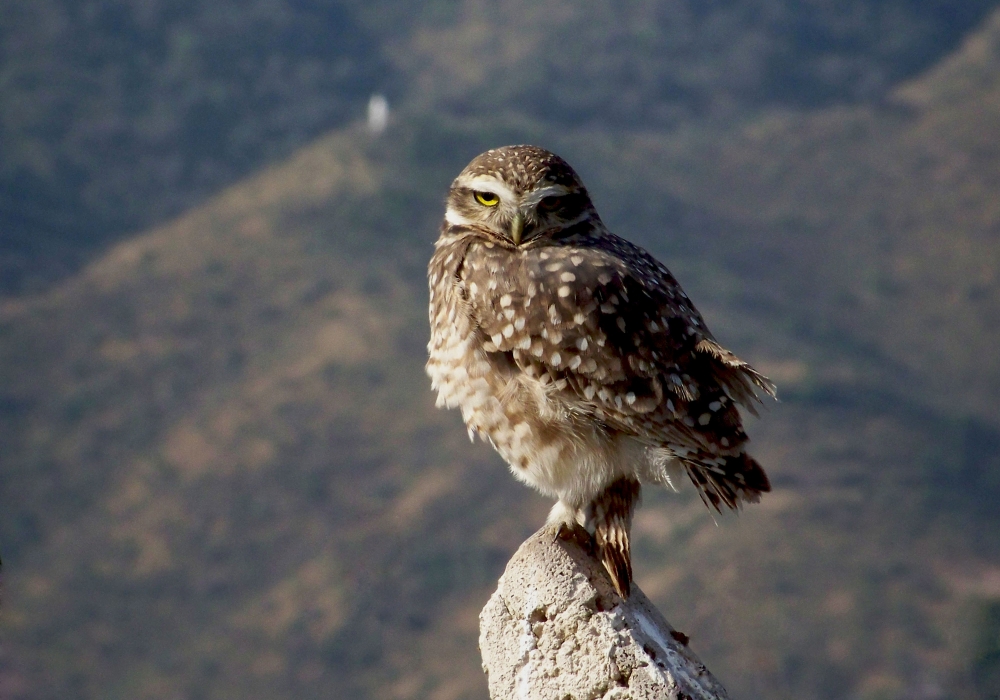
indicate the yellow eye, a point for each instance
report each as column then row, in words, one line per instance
column 487, row 199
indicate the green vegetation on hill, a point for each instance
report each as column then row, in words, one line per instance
column 222, row 472
column 117, row 114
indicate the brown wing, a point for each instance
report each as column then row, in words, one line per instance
column 613, row 333
column 612, row 326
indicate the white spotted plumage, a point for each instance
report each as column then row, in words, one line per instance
column 577, row 354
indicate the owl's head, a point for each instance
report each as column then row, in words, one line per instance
column 519, row 196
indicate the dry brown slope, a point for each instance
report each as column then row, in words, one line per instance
column 888, row 217
column 222, row 441
column 237, row 482
column 882, row 278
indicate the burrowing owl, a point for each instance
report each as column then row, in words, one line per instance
column 577, row 354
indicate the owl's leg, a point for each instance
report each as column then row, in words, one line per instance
column 563, row 513
column 609, row 518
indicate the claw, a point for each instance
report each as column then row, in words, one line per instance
column 563, row 532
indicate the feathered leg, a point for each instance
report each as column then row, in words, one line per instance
column 609, row 517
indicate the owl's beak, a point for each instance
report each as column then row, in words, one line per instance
column 517, row 228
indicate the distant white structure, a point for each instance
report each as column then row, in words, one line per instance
column 378, row 113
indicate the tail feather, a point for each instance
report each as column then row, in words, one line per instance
column 729, row 481
column 610, row 516
column 616, row 555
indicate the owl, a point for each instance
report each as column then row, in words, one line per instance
column 578, row 356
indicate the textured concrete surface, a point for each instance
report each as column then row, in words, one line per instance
column 555, row 628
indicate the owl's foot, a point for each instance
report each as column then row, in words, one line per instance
column 573, row 532
column 567, row 524
column 564, row 514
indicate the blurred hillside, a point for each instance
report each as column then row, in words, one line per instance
column 222, row 474
column 118, row 114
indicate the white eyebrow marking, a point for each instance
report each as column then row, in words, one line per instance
column 488, row 183
column 533, row 198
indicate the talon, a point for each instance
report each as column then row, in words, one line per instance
column 565, row 532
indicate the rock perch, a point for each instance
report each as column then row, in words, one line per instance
column 555, row 628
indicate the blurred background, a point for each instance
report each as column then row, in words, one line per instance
column 221, row 472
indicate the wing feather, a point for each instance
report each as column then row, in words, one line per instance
column 612, row 332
